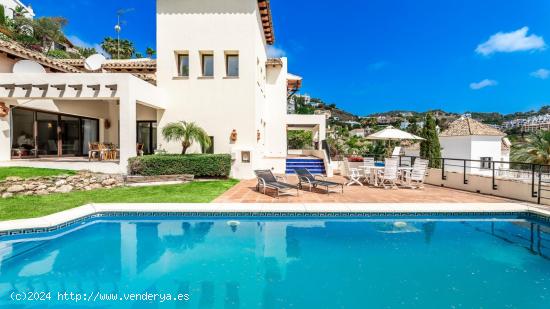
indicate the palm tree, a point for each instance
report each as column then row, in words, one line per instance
column 535, row 149
column 186, row 133
column 150, row 52
column 86, row 51
column 124, row 48
column 19, row 11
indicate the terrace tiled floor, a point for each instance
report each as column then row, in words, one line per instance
column 244, row 192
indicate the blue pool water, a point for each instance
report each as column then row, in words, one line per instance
column 439, row 262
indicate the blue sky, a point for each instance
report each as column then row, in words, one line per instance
column 378, row 55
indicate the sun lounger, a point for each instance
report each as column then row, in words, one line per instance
column 266, row 180
column 306, row 178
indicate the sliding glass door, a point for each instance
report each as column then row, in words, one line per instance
column 37, row 133
column 70, row 136
column 22, row 133
column 47, row 137
column 147, row 135
column 90, row 133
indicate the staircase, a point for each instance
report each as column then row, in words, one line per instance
column 313, row 165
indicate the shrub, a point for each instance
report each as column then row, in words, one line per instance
column 298, row 139
column 355, row 159
column 200, row 165
column 58, row 54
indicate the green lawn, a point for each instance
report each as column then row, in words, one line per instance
column 36, row 206
column 28, row 172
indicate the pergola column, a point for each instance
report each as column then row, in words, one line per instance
column 5, row 143
column 127, row 132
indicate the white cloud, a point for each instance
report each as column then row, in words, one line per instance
column 80, row 43
column 541, row 73
column 482, row 84
column 275, row 52
column 508, row 42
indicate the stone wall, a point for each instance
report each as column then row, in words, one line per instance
column 13, row 186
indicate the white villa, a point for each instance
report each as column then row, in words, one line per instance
column 470, row 139
column 212, row 68
column 10, row 5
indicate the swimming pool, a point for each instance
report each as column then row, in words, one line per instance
column 284, row 262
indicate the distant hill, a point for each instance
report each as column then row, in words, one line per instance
column 343, row 115
column 444, row 117
column 489, row 118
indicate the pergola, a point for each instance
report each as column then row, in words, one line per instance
column 126, row 89
column 313, row 123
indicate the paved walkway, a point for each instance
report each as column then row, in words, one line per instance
column 244, row 192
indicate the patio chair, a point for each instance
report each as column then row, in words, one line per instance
column 267, row 180
column 415, row 179
column 104, row 152
column 396, row 151
column 368, row 164
column 368, row 161
column 406, row 161
column 306, row 178
column 353, row 174
column 389, row 176
column 139, row 149
column 93, row 151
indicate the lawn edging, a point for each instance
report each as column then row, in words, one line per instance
column 20, row 207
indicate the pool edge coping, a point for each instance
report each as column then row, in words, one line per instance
column 69, row 216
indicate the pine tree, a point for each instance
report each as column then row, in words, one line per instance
column 430, row 148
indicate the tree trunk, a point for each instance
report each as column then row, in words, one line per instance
column 184, row 147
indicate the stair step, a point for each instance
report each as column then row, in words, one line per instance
column 304, row 160
column 305, row 163
column 309, row 169
column 314, row 166
column 314, row 172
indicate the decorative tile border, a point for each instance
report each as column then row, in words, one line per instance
column 531, row 214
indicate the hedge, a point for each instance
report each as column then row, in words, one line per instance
column 199, row 165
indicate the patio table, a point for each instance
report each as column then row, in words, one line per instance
column 373, row 171
column 402, row 170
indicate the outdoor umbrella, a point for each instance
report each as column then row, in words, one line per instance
column 392, row 134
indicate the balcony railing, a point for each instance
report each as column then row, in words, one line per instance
column 536, row 176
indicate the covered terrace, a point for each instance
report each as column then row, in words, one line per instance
column 55, row 116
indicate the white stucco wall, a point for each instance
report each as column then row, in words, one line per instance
column 12, row 4
column 219, row 104
column 472, row 148
column 254, row 102
column 6, row 64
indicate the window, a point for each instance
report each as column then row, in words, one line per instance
column 486, row 162
column 183, row 65
column 245, row 156
column 207, row 65
column 232, row 65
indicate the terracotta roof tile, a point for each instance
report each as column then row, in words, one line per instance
column 267, row 21
column 144, row 63
column 274, row 61
column 20, row 51
column 468, row 126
